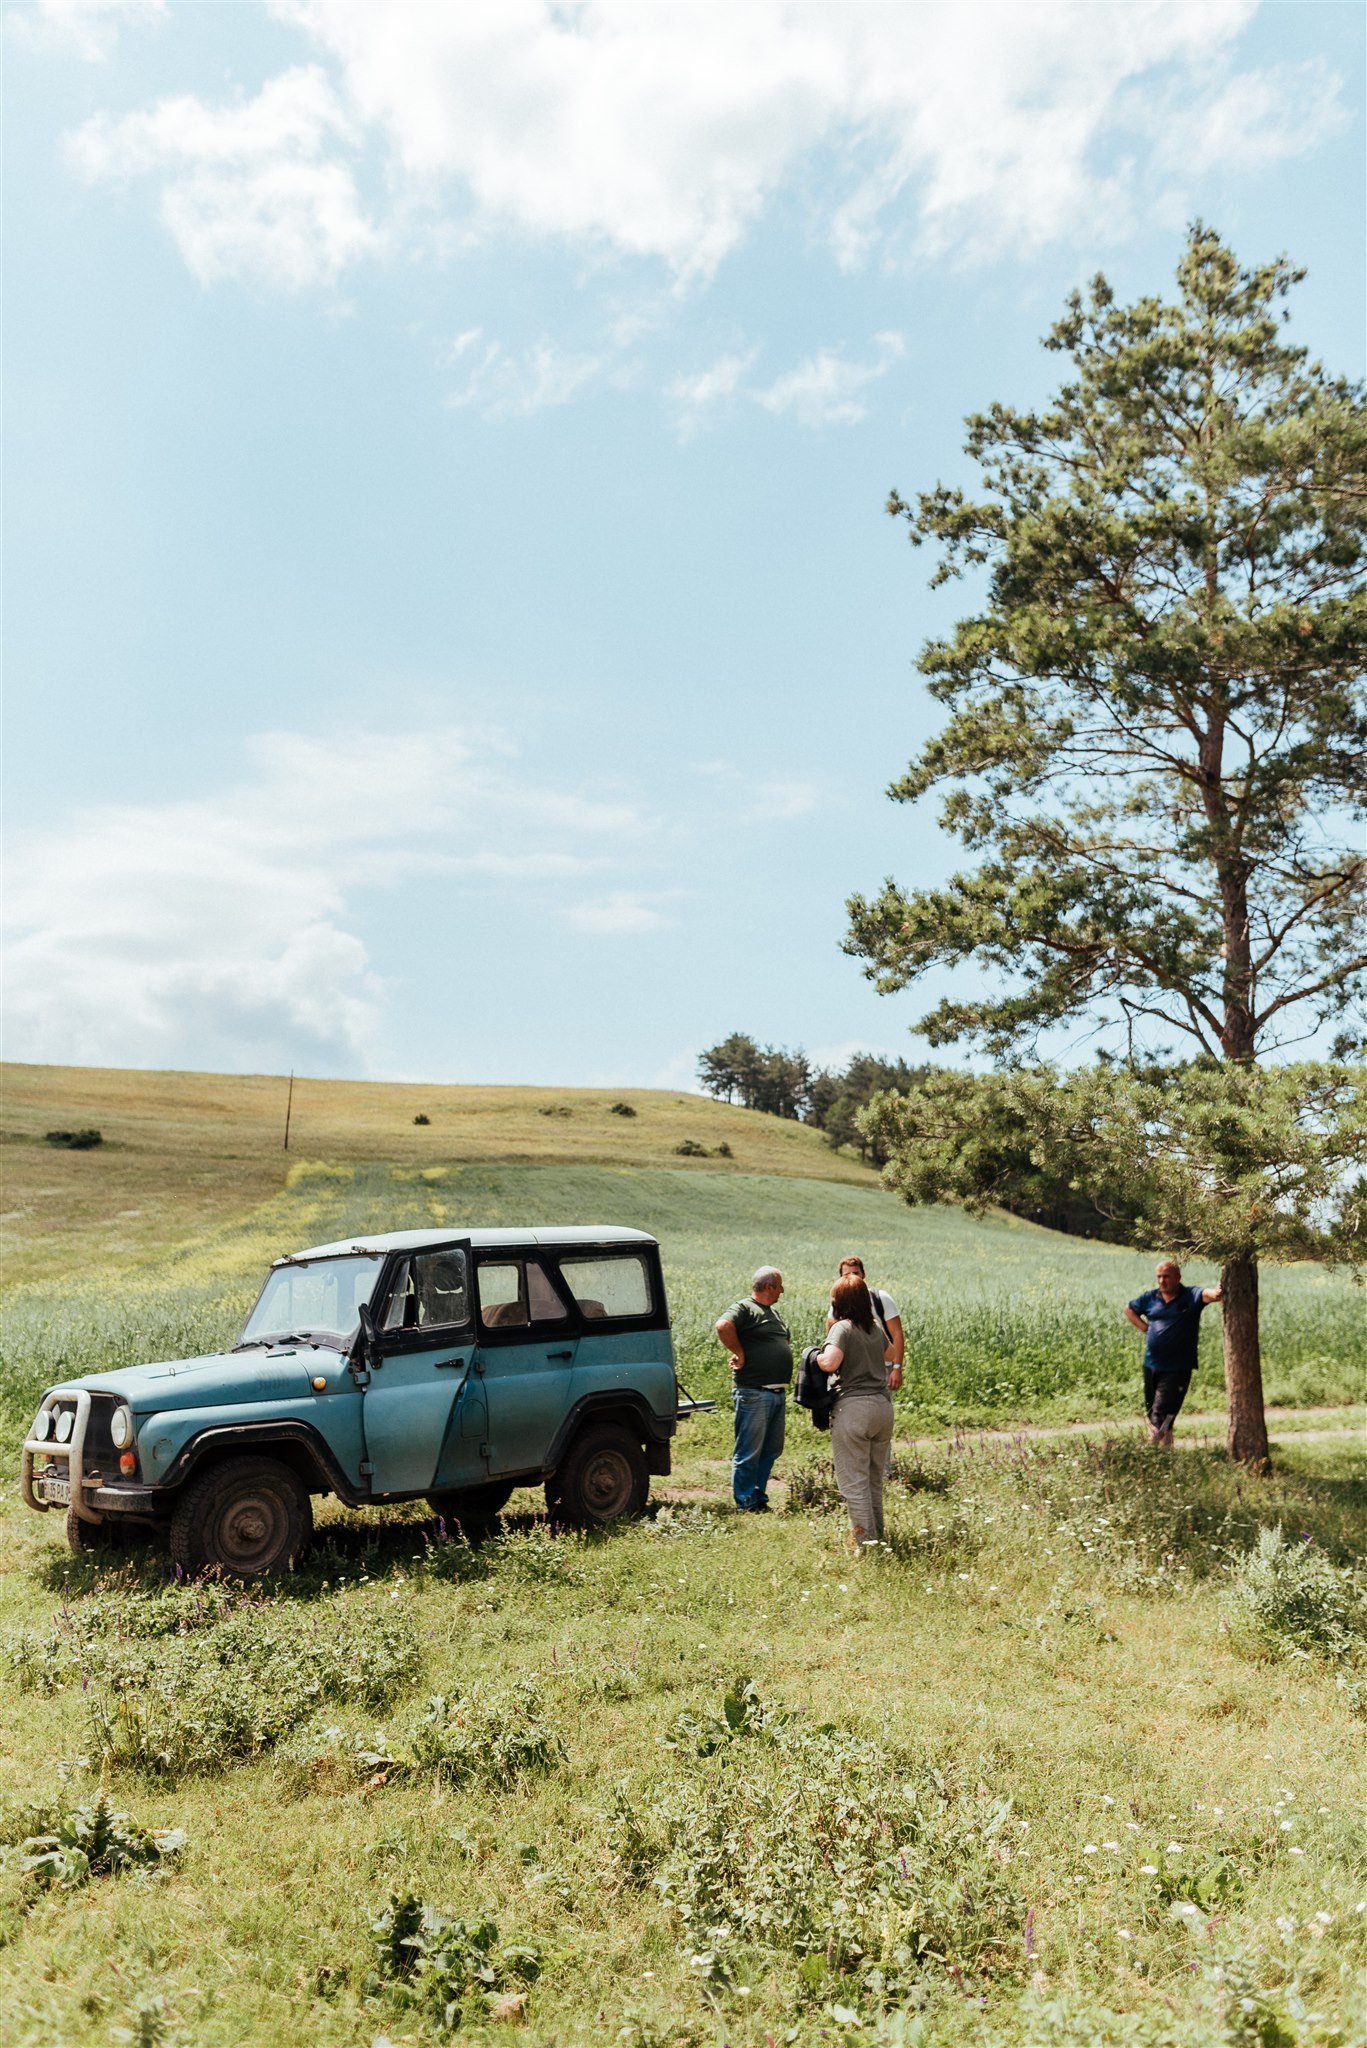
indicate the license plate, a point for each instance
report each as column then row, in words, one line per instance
column 55, row 1490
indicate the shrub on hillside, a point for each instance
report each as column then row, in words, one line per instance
column 420, row 1118
column 1288, row 1598
column 74, row 1141
column 621, row 1109
column 689, row 1148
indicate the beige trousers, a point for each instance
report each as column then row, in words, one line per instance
column 861, row 1430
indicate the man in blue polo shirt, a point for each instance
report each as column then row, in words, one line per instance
column 1170, row 1317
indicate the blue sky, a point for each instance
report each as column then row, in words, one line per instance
column 451, row 626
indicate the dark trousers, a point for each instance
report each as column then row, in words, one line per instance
column 1164, row 1393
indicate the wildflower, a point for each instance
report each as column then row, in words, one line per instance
column 1149, row 1869
column 1089, row 1849
column 1124, row 1934
column 1294, row 1851
column 1110, row 1845
column 1106, row 1799
column 1174, row 1849
column 1325, row 1919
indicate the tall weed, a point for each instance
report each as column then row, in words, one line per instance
column 1287, row 1599
column 229, row 1694
column 822, row 1849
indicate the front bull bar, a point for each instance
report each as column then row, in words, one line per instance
column 73, row 1450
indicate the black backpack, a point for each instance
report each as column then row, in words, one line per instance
column 816, row 1391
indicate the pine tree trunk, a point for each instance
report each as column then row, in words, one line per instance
column 1247, row 1436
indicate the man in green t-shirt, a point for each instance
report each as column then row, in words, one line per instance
column 761, row 1352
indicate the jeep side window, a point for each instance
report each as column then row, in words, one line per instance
column 502, row 1302
column 608, row 1287
column 431, row 1291
column 514, row 1293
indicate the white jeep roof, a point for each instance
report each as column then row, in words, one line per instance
column 376, row 1244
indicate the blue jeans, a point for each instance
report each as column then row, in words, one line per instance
column 760, row 1416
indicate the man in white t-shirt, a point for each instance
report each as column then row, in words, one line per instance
column 887, row 1312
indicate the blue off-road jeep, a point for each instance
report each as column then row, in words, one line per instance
column 417, row 1365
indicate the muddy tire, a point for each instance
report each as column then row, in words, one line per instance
column 475, row 1508
column 248, row 1517
column 602, row 1478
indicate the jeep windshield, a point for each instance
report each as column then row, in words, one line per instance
column 311, row 1301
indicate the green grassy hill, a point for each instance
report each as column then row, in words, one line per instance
column 1005, row 1322
column 1070, row 1762
column 186, row 1152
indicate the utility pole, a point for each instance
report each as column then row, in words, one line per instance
column 289, row 1104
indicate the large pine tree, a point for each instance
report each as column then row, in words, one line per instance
column 1156, row 747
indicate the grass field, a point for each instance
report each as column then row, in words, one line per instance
column 187, row 1152
column 1076, row 1760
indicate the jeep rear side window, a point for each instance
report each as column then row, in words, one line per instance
column 513, row 1294
column 431, row 1291
column 605, row 1288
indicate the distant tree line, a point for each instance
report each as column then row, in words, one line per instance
column 1016, row 1171
column 783, row 1083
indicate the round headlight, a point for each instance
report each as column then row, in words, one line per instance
column 42, row 1424
column 121, row 1429
column 66, row 1422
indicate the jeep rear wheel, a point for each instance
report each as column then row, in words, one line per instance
column 602, row 1477
column 474, row 1507
column 247, row 1517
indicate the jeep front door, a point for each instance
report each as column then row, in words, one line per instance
column 422, row 1379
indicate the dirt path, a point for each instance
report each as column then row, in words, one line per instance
column 1197, row 1431
column 1199, row 1427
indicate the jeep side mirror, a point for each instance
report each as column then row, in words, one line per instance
column 367, row 1352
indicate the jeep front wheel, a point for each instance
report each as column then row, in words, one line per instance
column 247, row 1517
column 602, row 1477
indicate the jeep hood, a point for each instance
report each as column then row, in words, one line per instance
column 219, row 1377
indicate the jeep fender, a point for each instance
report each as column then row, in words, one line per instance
column 633, row 1411
column 296, row 1444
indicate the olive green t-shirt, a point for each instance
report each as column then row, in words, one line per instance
column 766, row 1345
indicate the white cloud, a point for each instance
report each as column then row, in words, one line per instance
column 663, row 132
column 625, row 913
column 217, row 927
column 696, row 396
column 778, row 800
column 1248, row 122
column 506, row 385
column 825, row 390
column 253, row 190
column 89, row 27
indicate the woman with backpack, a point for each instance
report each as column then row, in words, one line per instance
column 859, row 1349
